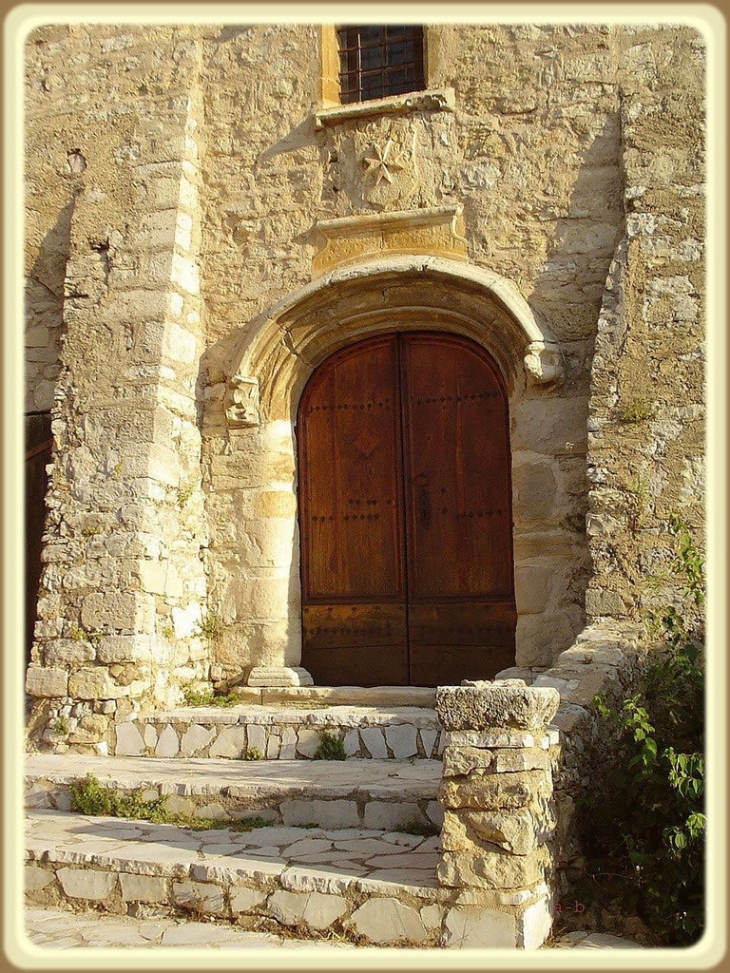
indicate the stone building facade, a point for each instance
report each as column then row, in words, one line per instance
column 206, row 225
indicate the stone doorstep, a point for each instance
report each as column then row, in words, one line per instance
column 282, row 732
column 312, row 881
column 383, row 794
column 339, row 695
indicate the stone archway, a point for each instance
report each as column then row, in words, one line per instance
column 277, row 355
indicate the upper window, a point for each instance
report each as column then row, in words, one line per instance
column 379, row 61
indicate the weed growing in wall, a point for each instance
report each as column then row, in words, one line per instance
column 643, row 825
column 330, row 748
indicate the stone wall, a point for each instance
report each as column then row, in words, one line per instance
column 175, row 177
column 123, row 587
column 646, row 426
column 497, row 791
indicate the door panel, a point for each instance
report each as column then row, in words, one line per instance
column 405, row 514
column 350, row 515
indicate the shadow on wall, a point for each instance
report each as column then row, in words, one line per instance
column 44, row 297
column 568, row 294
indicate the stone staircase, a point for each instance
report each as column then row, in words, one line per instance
column 338, row 857
column 344, row 850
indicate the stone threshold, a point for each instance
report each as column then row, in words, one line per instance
column 338, row 695
column 372, row 886
column 382, row 794
column 283, row 731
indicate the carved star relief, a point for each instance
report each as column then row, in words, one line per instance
column 378, row 161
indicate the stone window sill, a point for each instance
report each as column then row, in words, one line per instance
column 441, row 99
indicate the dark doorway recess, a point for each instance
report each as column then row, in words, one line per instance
column 405, row 514
column 38, row 444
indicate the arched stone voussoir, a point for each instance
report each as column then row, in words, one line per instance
column 282, row 346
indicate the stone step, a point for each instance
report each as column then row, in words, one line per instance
column 419, row 696
column 334, row 794
column 371, row 886
column 283, row 731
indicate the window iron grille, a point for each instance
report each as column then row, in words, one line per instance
column 377, row 61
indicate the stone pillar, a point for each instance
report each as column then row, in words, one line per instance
column 496, row 793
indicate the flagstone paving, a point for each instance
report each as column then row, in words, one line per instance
column 60, row 929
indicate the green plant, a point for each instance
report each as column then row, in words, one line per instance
column 79, row 634
column 643, row 823
column 91, row 797
column 91, row 530
column 330, row 747
column 637, row 494
column 414, row 826
column 638, row 409
column 60, row 726
column 184, row 494
column 168, row 631
column 206, row 696
column 252, row 753
column 208, row 627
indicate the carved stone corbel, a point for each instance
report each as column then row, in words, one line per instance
column 242, row 402
column 543, row 363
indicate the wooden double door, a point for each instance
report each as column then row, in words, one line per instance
column 405, row 514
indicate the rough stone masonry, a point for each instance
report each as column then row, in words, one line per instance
column 200, row 234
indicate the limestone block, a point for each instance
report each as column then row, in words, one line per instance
column 168, row 744
column 142, row 888
column 496, row 738
column 462, row 760
column 351, row 743
column 490, row 870
column 120, row 649
column 387, row 921
column 245, row 899
column 516, row 831
column 231, row 742
column 486, row 705
column 195, row 739
column 317, row 909
column 256, row 737
column 535, row 924
column 273, row 745
column 149, row 735
column 37, row 878
column 428, row 739
column 288, row 748
column 211, row 812
column 129, row 741
column 325, row 814
column 372, row 737
column 113, row 609
column 186, row 620
column 495, row 790
column 431, row 916
column 307, row 743
column 278, row 503
column 535, row 502
column 473, row 927
column 93, row 683
column 279, row 675
column 203, row 896
column 84, row 883
column 402, row 740
column 532, row 587
column 387, row 816
column 61, row 651
column 435, row 813
column 47, row 683
column 179, row 805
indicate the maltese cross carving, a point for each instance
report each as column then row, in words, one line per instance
column 383, row 162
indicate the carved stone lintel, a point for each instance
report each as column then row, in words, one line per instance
column 242, row 402
column 543, row 363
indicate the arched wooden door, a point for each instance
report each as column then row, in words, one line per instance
column 405, row 514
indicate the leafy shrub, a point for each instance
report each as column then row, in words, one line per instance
column 252, row 753
column 206, row 696
column 330, row 748
column 643, row 824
